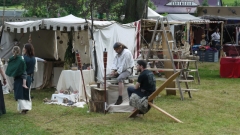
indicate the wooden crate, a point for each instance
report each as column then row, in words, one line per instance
column 97, row 106
column 97, row 102
column 208, row 56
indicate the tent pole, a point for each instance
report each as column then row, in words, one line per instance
column 94, row 48
column 105, row 76
column 221, row 50
column 3, row 14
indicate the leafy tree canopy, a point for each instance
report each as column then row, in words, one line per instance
column 112, row 9
column 205, row 3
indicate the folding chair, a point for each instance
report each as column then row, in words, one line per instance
column 155, row 94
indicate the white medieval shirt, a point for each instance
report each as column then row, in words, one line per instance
column 215, row 36
column 123, row 61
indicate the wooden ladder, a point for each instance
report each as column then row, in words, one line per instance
column 167, row 38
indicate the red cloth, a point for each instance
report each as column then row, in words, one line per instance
column 230, row 67
column 231, row 50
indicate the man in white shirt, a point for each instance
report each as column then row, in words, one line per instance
column 216, row 35
column 122, row 67
column 216, row 39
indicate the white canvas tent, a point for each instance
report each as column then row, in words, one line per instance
column 105, row 35
column 152, row 14
column 47, row 45
column 69, row 22
column 185, row 19
column 80, row 36
column 45, row 41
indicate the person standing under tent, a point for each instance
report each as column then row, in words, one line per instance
column 2, row 103
column 123, row 64
column 216, row 39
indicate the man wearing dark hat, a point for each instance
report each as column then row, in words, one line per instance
column 122, row 67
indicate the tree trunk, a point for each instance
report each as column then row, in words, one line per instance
column 134, row 10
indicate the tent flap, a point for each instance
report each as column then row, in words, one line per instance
column 69, row 22
column 22, row 25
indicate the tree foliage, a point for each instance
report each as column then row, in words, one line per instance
column 205, row 3
column 51, row 8
column 236, row 3
column 7, row 3
column 112, row 9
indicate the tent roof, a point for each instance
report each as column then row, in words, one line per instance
column 66, row 21
column 23, row 25
column 187, row 18
column 182, row 17
column 152, row 14
column 101, row 23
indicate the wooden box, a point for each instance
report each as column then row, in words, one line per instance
column 208, row 56
column 97, row 102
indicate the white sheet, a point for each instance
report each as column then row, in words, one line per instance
column 59, row 97
column 73, row 79
column 105, row 38
column 112, row 96
column 56, row 74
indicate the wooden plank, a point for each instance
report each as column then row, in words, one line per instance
column 164, row 112
column 181, row 89
column 176, row 60
column 160, row 69
column 161, row 88
column 133, row 114
column 164, row 50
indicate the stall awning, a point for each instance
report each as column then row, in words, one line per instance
column 23, row 25
column 69, row 22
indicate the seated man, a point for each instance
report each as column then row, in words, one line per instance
column 146, row 83
column 122, row 67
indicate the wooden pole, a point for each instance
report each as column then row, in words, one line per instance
column 3, row 14
column 164, row 112
column 105, row 75
column 221, row 50
column 80, row 67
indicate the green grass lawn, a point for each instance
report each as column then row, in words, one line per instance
column 230, row 2
column 213, row 110
column 15, row 7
